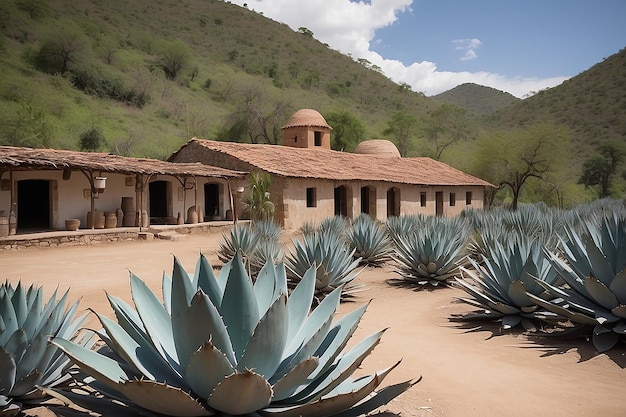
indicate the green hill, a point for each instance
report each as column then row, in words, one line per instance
column 591, row 104
column 477, row 100
column 230, row 58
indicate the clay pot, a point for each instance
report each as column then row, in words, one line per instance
column 72, row 224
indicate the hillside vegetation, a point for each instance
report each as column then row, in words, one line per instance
column 141, row 78
column 477, row 100
column 152, row 74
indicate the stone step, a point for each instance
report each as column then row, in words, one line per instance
column 171, row 235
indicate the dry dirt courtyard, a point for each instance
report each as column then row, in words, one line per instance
column 466, row 371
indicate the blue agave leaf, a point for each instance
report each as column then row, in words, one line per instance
column 206, row 279
column 300, row 301
column 7, row 371
column 600, row 293
column 316, row 320
column 337, row 339
column 7, row 312
column 618, row 286
column 155, row 320
column 207, row 367
column 200, row 322
column 105, row 369
column 166, row 290
column 162, row 398
column 252, row 393
column 344, row 367
column 19, row 304
column 239, row 307
column 143, row 357
column 297, row 376
column 265, row 348
column 264, row 287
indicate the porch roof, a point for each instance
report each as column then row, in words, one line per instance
column 55, row 159
column 334, row 165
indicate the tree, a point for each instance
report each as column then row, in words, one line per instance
column 256, row 118
column 445, row 126
column 599, row 169
column 61, row 50
column 306, row 32
column 174, row 56
column 402, row 128
column 92, row 139
column 509, row 158
column 257, row 202
column 347, row 131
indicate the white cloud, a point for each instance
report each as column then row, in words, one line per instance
column 469, row 46
column 350, row 27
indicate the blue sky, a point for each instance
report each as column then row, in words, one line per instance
column 517, row 46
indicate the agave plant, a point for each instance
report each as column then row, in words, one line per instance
column 27, row 360
column 257, row 242
column 337, row 225
column 333, row 261
column 594, row 269
column 241, row 238
column 229, row 346
column 500, row 283
column 433, row 252
column 370, row 241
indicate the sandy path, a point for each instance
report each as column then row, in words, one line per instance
column 465, row 373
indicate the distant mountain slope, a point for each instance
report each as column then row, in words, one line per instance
column 476, row 99
column 592, row 104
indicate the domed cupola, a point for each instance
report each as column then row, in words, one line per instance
column 378, row 147
column 307, row 128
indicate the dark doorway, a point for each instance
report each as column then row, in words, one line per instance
column 368, row 201
column 439, row 203
column 393, row 202
column 341, row 201
column 212, row 200
column 365, row 200
column 158, row 201
column 33, row 205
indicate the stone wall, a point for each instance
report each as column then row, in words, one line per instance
column 54, row 239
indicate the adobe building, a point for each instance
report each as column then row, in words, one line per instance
column 42, row 188
column 311, row 182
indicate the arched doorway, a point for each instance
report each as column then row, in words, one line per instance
column 368, row 201
column 341, row 201
column 33, row 205
column 393, row 202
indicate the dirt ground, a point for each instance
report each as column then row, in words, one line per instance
column 467, row 371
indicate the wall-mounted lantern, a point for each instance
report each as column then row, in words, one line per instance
column 240, row 190
column 99, row 184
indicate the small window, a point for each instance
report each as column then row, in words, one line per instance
column 295, row 139
column 318, row 138
column 311, row 197
column 452, row 199
column 468, row 198
column 422, row 199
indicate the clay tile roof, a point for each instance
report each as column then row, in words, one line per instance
column 307, row 117
column 29, row 158
column 328, row 164
column 378, row 147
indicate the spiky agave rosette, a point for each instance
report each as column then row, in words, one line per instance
column 27, row 360
column 230, row 346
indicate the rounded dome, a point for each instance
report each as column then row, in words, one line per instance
column 378, row 147
column 307, row 117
